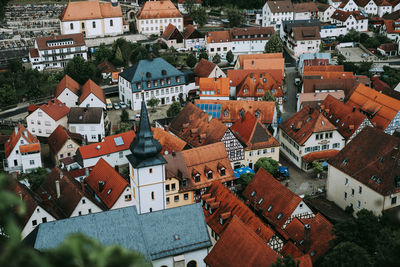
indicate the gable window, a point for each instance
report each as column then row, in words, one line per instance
column 210, row 175
column 71, row 26
column 359, row 189
column 94, row 24
column 34, row 223
column 128, row 197
column 111, row 23
column 151, row 170
column 167, row 200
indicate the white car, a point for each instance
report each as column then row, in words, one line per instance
column 116, row 106
column 122, row 104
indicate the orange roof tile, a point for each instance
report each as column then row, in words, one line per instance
column 29, row 148
column 241, row 58
column 85, row 10
column 218, row 37
column 218, row 85
column 237, row 76
column 390, row 27
column 304, row 123
column 168, row 141
column 305, row 261
column 290, row 249
column 67, row 82
column 381, row 107
column 54, row 108
column 333, row 68
column 252, row 133
column 91, row 87
column 43, row 42
column 262, row 64
column 320, row 155
column 240, row 246
column 106, row 183
column 257, row 85
column 15, row 137
column 282, row 200
column 228, row 202
column 59, row 136
column 204, row 68
column 158, row 9
column 328, row 74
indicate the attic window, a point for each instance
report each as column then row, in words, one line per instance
column 342, row 124
column 260, row 201
column 226, row 113
column 253, row 194
column 257, row 114
column 210, row 175
column 378, row 180
column 308, row 119
column 197, row 178
column 148, row 74
column 163, row 72
column 279, row 216
column 373, row 177
column 382, row 159
column 269, row 208
column 337, row 120
column 322, row 123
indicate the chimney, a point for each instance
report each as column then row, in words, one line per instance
column 101, row 185
column 58, row 188
column 307, row 229
column 354, row 108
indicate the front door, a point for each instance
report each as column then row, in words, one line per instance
column 163, row 101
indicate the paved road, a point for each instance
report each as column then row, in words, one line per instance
column 289, row 107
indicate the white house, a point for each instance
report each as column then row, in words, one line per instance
column 218, row 42
column 44, row 119
column 92, row 95
column 107, row 185
column 89, row 122
column 384, row 7
column 194, row 39
column 368, row 6
column 52, row 52
column 364, row 174
column 391, row 28
column 332, row 30
column 308, row 136
column 22, row 151
column 307, row 10
column 304, row 40
column 348, row 5
column 274, row 12
column 325, row 12
column 334, row 3
column 250, row 40
column 208, row 69
column 92, row 18
column 351, row 19
column 155, row 16
column 68, row 91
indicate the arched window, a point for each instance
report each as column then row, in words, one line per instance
column 192, row 264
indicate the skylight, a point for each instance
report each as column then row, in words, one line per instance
column 253, row 194
column 260, row 201
column 373, row 177
column 118, row 141
column 269, row 208
column 279, row 216
column 345, row 162
column 379, row 180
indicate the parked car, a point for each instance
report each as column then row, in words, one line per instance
column 283, row 173
column 297, row 81
column 116, row 106
column 122, row 104
column 108, row 104
column 137, row 117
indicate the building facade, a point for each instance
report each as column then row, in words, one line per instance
column 88, row 122
column 274, row 12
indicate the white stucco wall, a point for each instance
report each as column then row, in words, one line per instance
column 156, row 25
column 85, row 208
column 41, row 124
column 116, row 28
column 89, row 130
column 114, row 159
column 196, row 255
column 24, row 162
column 92, row 101
column 122, row 202
column 39, row 215
column 68, row 98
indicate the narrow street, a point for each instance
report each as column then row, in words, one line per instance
column 289, row 107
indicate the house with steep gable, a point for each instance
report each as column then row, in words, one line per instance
column 63, row 144
column 88, row 122
column 194, row 39
column 92, row 96
column 173, row 37
column 68, row 91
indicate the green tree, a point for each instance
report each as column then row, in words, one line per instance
column 340, row 59
column 170, row 58
column 317, row 166
column 174, row 109
column 235, row 17
column 347, row 254
column 267, row 164
column 102, row 53
column 8, row 95
column 285, row 262
column 189, row 5
column 81, row 70
column 199, row 15
column 229, row 56
column 140, row 52
column 203, row 54
column 274, row 45
column 268, row 96
column 243, row 181
column 216, row 59
column 191, row 61
column 156, row 49
column 118, row 59
column 124, row 116
column 35, row 178
column 153, row 103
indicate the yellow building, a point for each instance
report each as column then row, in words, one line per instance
column 63, row 144
column 175, row 197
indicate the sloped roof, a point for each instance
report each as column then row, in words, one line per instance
column 304, row 123
column 234, row 108
column 390, row 27
column 219, row 85
column 228, row 205
column 256, row 32
column 237, row 76
column 345, row 85
column 329, row 74
column 33, row 52
column 374, row 164
column 158, row 9
column 168, row 141
column 90, row 87
column 282, row 200
column 344, row 15
column 189, row 30
column 305, row 7
column 59, row 136
column 240, row 246
column 262, row 64
column 362, row 3
column 204, row 68
column 113, row 185
column 251, row 84
column 29, row 138
column 218, row 37
column 322, row 7
column 320, row 155
column 315, row 99
column 180, row 233
column 320, row 234
column 54, row 108
column 241, row 58
column 85, row 115
column 319, row 67
column 280, row 6
column 193, row 125
column 382, row 3
column 85, row 10
column 252, row 133
column 107, row 67
column 382, row 108
column 77, row 38
column 388, row 47
column 67, row 82
column 346, row 119
column 169, row 30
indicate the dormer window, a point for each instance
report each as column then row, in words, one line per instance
column 148, row 75
column 168, row 80
column 279, row 216
column 226, row 113
column 260, row 201
column 253, row 194
column 139, row 86
column 163, row 72
column 155, row 83
column 222, row 171
column 221, row 221
column 162, row 82
column 197, row 178
column 148, row 84
column 269, row 208
column 178, row 79
column 260, row 91
column 257, row 114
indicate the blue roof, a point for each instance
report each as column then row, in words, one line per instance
column 241, row 171
column 152, row 70
column 156, row 235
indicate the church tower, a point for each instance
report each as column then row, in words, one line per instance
column 147, row 168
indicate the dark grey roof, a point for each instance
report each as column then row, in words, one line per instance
column 289, row 24
column 85, row 115
column 156, row 234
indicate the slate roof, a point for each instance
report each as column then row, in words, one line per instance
column 381, row 108
column 113, row 185
column 288, row 25
column 240, row 246
column 86, row 10
column 266, row 109
column 85, row 115
column 77, row 38
column 152, row 70
column 304, row 123
column 158, row 9
column 67, row 82
column 32, row 143
column 226, row 205
column 374, row 164
column 252, row 133
column 255, row 33
column 54, row 108
column 179, row 234
column 90, row 87
column 282, row 200
column 59, row 136
column 204, row 68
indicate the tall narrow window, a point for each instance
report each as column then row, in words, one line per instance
column 94, row 24
column 71, row 25
column 111, row 23
column 152, row 195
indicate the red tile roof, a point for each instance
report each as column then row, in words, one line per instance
column 168, row 141
column 242, row 58
column 237, row 76
column 262, row 64
column 67, row 82
column 323, row 67
column 108, row 146
column 169, row 31
column 304, row 123
column 320, row 235
column 320, row 155
column 59, row 136
column 107, row 67
column 282, row 200
column 290, row 249
column 306, row 33
column 234, row 107
column 346, row 119
column 335, row 84
column 328, row 74
column 91, row 87
column 158, row 9
column 218, row 85
column 240, row 246
column 85, row 10
column 54, row 108
column 379, row 85
column 316, row 62
column 388, row 47
column 218, row 37
column 30, row 141
column 113, row 185
column 344, row 15
column 382, row 108
column 391, row 27
column 251, row 132
column 305, row 7
column 251, row 85
column 204, row 68
column 231, row 205
column 33, row 52
column 42, row 42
